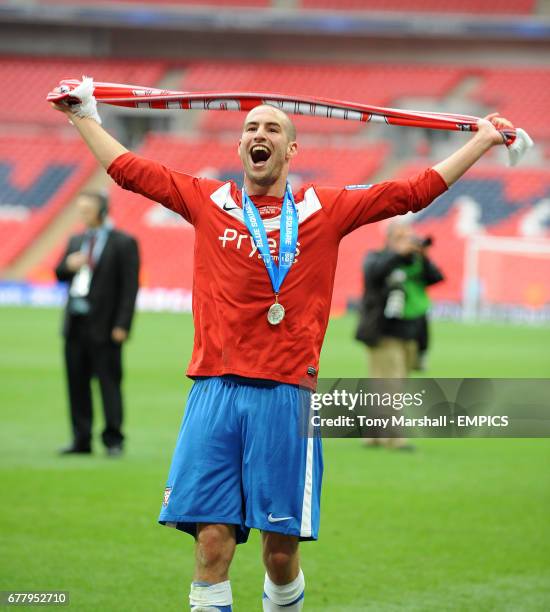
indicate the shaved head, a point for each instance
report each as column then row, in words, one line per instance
column 267, row 144
column 285, row 120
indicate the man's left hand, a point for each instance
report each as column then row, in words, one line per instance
column 489, row 127
column 119, row 335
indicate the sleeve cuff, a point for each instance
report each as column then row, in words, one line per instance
column 115, row 164
column 438, row 182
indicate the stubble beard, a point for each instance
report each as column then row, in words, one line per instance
column 262, row 181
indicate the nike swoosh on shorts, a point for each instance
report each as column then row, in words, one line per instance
column 272, row 519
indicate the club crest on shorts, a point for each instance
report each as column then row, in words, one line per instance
column 166, row 497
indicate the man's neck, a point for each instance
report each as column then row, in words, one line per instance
column 276, row 190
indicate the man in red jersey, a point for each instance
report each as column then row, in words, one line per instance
column 265, row 259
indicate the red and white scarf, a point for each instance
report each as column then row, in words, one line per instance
column 84, row 94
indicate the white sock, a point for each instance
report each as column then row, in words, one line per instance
column 206, row 597
column 289, row 597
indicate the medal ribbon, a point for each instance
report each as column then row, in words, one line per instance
column 288, row 236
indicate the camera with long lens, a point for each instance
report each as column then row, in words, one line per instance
column 424, row 241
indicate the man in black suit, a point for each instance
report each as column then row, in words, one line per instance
column 102, row 266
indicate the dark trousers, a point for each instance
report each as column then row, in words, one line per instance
column 84, row 360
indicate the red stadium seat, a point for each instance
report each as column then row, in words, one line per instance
column 38, row 175
column 167, row 241
column 376, row 84
column 195, row 3
column 522, row 94
column 488, row 7
column 36, row 77
column 503, row 7
column 504, row 199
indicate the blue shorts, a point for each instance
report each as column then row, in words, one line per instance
column 241, row 459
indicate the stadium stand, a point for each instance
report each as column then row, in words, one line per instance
column 378, row 83
column 503, row 7
column 486, row 7
column 38, row 176
column 166, row 240
column 521, row 93
column 35, row 76
column 489, row 200
column 192, row 3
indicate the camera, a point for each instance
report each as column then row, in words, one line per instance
column 424, row 242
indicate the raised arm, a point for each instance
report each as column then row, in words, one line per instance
column 487, row 136
column 104, row 147
column 132, row 172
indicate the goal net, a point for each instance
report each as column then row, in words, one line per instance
column 505, row 274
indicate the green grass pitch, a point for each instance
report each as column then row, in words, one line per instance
column 458, row 525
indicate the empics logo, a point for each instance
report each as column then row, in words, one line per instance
column 233, row 239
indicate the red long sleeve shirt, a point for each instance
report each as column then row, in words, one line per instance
column 231, row 287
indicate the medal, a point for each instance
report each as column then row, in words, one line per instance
column 276, row 313
column 288, row 238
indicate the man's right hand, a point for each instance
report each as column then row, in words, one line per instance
column 75, row 261
column 105, row 148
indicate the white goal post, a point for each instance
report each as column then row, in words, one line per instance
column 502, row 271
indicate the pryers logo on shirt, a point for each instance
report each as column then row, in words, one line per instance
column 232, row 238
column 240, row 239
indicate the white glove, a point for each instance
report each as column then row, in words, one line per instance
column 88, row 104
column 519, row 147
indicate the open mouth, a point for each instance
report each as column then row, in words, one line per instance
column 259, row 154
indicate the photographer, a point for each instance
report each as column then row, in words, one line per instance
column 394, row 306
